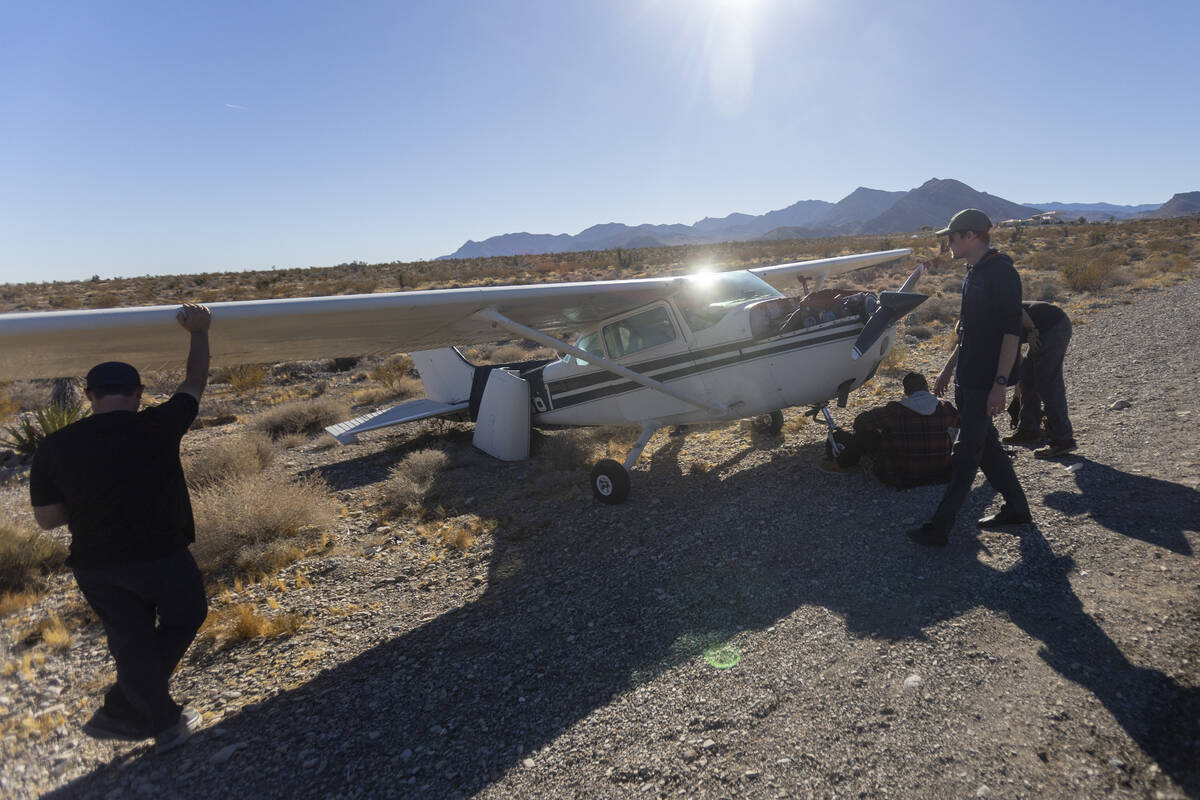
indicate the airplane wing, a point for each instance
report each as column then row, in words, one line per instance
column 63, row 343
column 784, row 276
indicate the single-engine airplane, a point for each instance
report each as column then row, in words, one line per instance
column 651, row 352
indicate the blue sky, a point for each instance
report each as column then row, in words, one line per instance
column 176, row 137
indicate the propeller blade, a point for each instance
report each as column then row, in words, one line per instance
column 892, row 308
column 876, row 325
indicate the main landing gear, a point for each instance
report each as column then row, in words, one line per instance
column 610, row 479
column 833, row 448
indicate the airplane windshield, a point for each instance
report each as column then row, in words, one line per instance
column 709, row 297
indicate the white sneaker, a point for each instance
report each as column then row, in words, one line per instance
column 173, row 736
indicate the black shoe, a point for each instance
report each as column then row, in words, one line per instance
column 1023, row 436
column 928, row 536
column 1005, row 517
column 1056, row 449
column 104, row 725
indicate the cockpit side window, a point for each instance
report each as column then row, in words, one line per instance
column 589, row 342
column 641, row 331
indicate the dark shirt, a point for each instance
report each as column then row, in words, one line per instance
column 991, row 307
column 915, row 448
column 1044, row 315
column 120, row 478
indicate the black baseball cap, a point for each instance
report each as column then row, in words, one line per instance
column 113, row 373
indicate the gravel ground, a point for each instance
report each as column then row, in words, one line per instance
column 586, row 651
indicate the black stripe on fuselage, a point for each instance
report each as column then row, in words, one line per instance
column 722, row 356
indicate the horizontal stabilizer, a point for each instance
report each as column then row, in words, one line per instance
column 347, row 432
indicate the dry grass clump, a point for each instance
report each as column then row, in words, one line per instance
column 242, row 622
column 26, row 556
column 259, row 523
column 896, row 356
column 458, row 532
column 306, row 417
column 11, row 602
column 1091, row 270
column 228, row 460
column 8, row 406
column 410, row 481
column 50, row 631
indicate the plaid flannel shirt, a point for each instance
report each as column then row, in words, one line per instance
column 916, row 447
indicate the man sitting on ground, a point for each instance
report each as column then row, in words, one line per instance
column 910, row 439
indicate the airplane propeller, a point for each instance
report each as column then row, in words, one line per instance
column 892, row 308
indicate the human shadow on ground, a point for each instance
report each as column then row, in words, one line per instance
column 1150, row 509
column 609, row 597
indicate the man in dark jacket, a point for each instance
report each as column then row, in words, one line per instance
column 982, row 365
column 910, row 438
column 1048, row 331
column 116, row 480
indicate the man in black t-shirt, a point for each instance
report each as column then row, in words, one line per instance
column 116, row 480
column 986, row 359
column 1048, row 331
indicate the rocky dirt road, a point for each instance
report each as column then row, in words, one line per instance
column 758, row 628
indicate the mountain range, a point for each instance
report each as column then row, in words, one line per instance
column 863, row 211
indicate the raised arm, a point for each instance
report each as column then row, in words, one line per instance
column 195, row 319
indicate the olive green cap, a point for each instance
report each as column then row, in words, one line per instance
column 969, row 219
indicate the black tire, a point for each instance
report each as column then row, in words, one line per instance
column 770, row 424
column 610, row 481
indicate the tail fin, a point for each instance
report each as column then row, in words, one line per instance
column 446, row 374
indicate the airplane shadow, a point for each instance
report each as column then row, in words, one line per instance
column 1137, row 506
column 607, row 598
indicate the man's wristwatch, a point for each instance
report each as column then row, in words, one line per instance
column 1001, row 380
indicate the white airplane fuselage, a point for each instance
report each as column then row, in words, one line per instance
column 725, row 365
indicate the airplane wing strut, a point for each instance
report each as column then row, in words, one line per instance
column 495, row 317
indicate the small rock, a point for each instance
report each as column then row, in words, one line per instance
column 708, row 744
column 912, row 681
column 983, row 791
column 528, row 762
column 1120, row 405
column 226, row 753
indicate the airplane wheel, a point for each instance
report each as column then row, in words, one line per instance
column 610, row 481
column 770, row 424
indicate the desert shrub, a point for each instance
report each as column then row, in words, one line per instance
column 1048, row 290
column 921, row 332
column 28, row 395
column 306, row 416
column 392, row 369
column 408, row 484
column 27, row 433
column 163, row 381
column 236, row 520
column 246, row 378
column 940, row 308
column 27, row 555
column 1090, row 271
column 229, row 459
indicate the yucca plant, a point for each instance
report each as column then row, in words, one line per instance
column 30, row 430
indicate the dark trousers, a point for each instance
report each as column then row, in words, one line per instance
column 151, row 611
column 1042, row 384
column 858, row 444
column 977, row 446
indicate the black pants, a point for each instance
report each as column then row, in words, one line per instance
column 1042, row 383
column 977, row 446
column 151, row 611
